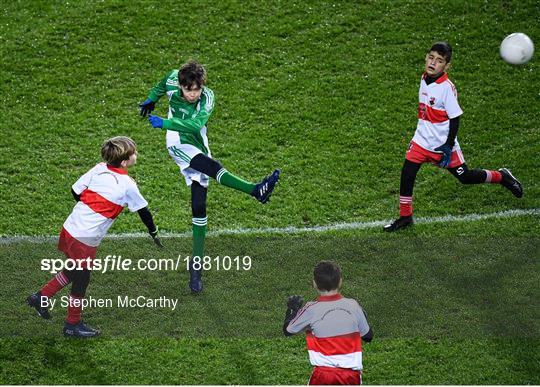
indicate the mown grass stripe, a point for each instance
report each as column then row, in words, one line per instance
column 293, row 229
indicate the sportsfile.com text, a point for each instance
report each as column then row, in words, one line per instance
column 117, row 263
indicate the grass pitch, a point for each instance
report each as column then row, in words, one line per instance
column 325, row 91
column 442, row 312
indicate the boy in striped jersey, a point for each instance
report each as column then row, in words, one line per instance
column 435, row 139
column 101, row 195
column 335, row 328
column 190, row 105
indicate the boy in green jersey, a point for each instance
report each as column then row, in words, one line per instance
column 190, row 105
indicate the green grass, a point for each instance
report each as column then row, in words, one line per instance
column 262, row 361
column 411, row 285
column 441, row 312
column 326, row 91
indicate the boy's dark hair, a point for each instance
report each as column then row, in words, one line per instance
column 192, row 75
column 327, row 275
column 117, row 149
column 444, row 49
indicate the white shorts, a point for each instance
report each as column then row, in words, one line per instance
column 182, row 155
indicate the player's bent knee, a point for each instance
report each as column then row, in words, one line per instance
column 206, row 165
column 464, row 174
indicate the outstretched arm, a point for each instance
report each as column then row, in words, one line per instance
column 148, row 220
column 159, row 89
column 156, row 93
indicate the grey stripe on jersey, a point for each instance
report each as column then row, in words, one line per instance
column 330, row 318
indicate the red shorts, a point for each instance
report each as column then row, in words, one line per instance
column 420, row 155
column 335, row 376
column 73, row 248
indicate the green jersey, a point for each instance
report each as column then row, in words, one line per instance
column 184, row 117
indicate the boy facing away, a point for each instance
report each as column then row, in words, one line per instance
column 191, row 104
column 435, row 139
column 335, row 328
column 101, row 195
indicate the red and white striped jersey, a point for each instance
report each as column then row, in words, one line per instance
column 334, row 328
column 104, row 191
column 436, row 106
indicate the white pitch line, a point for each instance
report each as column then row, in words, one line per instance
column 4, row 240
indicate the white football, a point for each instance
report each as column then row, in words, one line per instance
column 517, row 49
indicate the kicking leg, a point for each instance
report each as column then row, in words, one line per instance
column 213, row 168
column 474, row 176
column 480, row 176
column 408, row 177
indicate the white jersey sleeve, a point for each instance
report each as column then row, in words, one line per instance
column 133, row 199
column 451, row 104
column 84, row 181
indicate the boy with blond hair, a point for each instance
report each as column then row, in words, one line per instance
column 101, row 195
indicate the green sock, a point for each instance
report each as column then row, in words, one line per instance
column 229, row 180
column 199, row 233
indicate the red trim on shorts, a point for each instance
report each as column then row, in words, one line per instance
column 100, row 204
column 418, row 154
column 73, row 248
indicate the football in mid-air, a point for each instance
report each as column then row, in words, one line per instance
column 517, row 49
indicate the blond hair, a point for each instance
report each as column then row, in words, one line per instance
column 117, row 149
